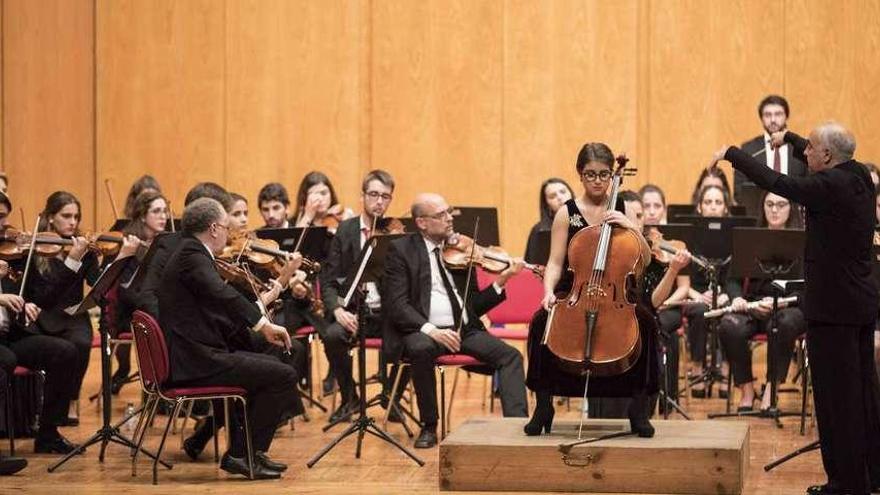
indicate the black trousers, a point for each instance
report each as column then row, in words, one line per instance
column 337, row 346
column 670, row 321
column 847, row 401
column 271, row 390
column 78, row 331
column 696, row 328
column 422, row 350
column 52, row 355
column 736, row 330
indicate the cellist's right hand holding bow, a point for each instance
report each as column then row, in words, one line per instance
column 549, row 300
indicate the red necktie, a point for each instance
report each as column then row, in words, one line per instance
column 777, row 161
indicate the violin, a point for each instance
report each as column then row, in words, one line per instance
column 664, row 250
column 334, row 216
column 264, row 253
column 493, row 259
column 243, row 280
column 389, row 226
column 594, row 329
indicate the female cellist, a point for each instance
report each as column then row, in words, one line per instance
column 594, row 166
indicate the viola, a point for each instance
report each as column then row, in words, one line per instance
column 594, row 329
column 664, row 250
column 493, row 259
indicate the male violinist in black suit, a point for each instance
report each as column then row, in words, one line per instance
column 773, row 112
column 201, row 317
column 423, row 302
column 841, row 298
column 351, row 235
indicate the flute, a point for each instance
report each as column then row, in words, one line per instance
column 783, row 302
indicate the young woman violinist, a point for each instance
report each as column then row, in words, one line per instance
column 737, row 329
column 149, row 215
column 594, row 166
column 554, row 193
column 56, row 283
column 317, row 204
column 238, row 212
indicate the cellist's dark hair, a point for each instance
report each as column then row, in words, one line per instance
column 594, row 152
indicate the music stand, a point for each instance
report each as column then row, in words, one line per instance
column 713, row 239
column 315, row 245
column 768, row 254
column 370, row 268
column 108, row 431
column 542, row 249
column 678, row 213
column 465, row 217
column 749, row 196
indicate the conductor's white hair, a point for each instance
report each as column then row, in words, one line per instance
column 837, row 139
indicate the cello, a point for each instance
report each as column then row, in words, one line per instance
column 594, row 330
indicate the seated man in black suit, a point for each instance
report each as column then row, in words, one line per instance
column 424, row 308
column 202, row 318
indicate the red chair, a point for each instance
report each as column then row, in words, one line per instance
column 524, row 294
column 152, row 356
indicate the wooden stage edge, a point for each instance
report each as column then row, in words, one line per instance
column 491, row 453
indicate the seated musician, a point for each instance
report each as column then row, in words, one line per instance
column 737, row 329
column 238, row 212
column 423, row 303
column 713, row 201
column 377, row 192
column 317, row 204
column 710, row 176
column 594, row 167
column 554, row 193
column 200, row 315
column 670, row 311
column 27, row 346
column 56, row 283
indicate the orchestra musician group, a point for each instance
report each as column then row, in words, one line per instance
column 230, row 302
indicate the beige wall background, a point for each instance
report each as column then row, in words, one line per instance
column 480, row 100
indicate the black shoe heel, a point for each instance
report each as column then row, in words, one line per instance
column 541, row 420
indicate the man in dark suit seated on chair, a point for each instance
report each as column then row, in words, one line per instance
column 425, row 308
column 202, row 317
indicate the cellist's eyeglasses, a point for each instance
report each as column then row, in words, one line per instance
column 592, row 175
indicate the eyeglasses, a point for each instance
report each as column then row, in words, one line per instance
column 441, row 215
column 591, row 175
column 374, row 195
column 775, row 205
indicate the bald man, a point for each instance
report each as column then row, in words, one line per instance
column 423, row 302
column 841, row 297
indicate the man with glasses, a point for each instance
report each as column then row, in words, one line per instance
column 429, row 316
column 377, row 189
column 202, row 318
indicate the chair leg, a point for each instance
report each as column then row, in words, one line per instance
column 247, row 437
column 394, row 388
column 141, row 417
column 452, row 398
column 187, row 414
column 176, row 410
column 228, row 424
column 149, row 420
column 10, row 423
column 216, row 440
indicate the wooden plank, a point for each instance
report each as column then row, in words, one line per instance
column 493, row 454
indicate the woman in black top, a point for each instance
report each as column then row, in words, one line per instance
column 545, row 378
column 56, row 283
column 554, row 193
column 736, row 330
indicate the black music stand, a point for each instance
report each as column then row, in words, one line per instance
column 465, row 217
column 678, row 213
column 768, row 254
column 370, row 268
column 713, row 240
column 108, row 431
column 541, row 252
column 315, row 244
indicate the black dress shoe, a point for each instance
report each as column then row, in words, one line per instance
column 427, row 439
column 193, row 448
column 742, row 409
column 11, row 465
column 394, row 416
column 827, row 489
column 641, row 427
column 345, row 410
column 117, row 382
column 239, row 465
column 56, row 445
column 262, row 458
column 698, row 393
column 328, row 385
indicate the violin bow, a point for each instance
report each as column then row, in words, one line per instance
column 467, row 284
column 171, row 218
column 27, row 265
column 112, row 201
column 21, row 210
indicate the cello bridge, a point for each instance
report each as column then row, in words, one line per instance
column 595, row 291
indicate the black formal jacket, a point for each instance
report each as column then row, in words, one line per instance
column 344, row 251
column 406, row 293
column 57, row 288
column 797, row 165
column 141, row 293
column 840, row 226
column 200, row 315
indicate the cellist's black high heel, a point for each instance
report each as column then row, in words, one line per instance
column 542, row 419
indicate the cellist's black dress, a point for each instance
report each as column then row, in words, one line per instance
column 544, row 374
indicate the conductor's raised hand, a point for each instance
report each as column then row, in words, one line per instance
column 777, row 139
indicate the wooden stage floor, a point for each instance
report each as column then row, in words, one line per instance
column 381, row 470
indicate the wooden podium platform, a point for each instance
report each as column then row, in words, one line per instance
column 493, row 454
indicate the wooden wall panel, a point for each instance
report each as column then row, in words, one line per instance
column 160, row 83
column 707, row 74
column 569, row 78
column 293, row 95
column 48, row 105
column 437, row 98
